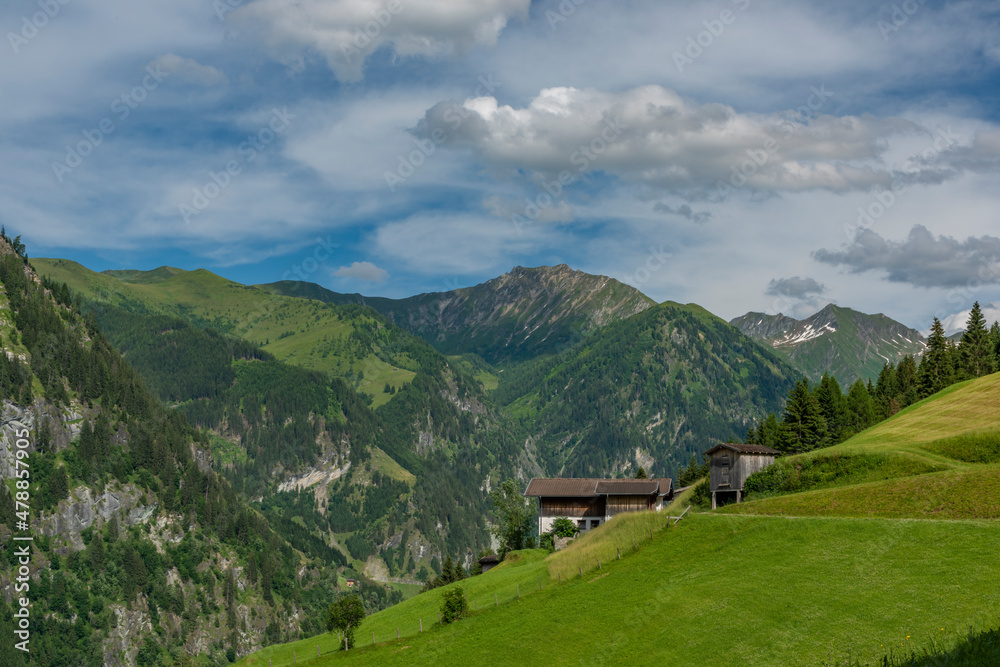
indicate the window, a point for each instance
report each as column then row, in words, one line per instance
column 582, row 524
column 594, row 523
column 725, row 471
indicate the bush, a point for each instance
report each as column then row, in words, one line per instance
column 702, row 496
column 454, row 606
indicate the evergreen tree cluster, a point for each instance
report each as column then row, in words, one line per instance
column 823, row 415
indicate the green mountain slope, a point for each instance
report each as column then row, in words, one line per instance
column 843, row 342
column 522, row 314
column 646, row 391
column 395, row 484
column 140, row 552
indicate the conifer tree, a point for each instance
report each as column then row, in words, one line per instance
column 805, row 426
column 995, row 339
column 833, row 406
column 887, row 392
column 975, row 352
column 860, row 409
column 936, row 371
column 906, row 381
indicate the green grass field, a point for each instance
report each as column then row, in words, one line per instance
column 940, row 462
column 713, row 589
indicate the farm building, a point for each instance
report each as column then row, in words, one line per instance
column 729, row 466
column 590, row 502
column 489, row 562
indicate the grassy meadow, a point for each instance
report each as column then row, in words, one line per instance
column 786, row 590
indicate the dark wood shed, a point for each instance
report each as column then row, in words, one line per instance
column 731, row 463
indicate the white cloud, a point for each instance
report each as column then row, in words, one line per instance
column 653, row 136
column 189, row 70
column 505, row 208
column 346, row 32
column 363, row 271
column 453, row 243
column 957, row 321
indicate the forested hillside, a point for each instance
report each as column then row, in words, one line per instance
column 647, row 391
column 363, row 432
column 141, row 551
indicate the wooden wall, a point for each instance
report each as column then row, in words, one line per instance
column 740, row 467
column 571, row 507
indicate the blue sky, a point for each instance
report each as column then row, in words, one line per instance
column 740, row 154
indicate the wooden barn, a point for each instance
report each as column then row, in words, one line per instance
column 590, row 502
column 730, row 464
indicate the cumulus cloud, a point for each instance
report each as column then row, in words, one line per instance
column 346, row 32
column 795, row 287
column 190, row 70
column 922, row 260
column 363, row 271
column 957, row 321
column 684, row 210
column 653, row 136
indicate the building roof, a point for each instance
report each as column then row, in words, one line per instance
column 744, row 449
column 491, row 559
column 589, row 487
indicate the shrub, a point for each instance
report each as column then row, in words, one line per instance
column 454, row 606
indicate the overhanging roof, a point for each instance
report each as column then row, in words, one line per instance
column 744, row 449
column 562, row 487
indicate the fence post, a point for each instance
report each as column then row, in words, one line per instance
column 317, row 649
column 560, row 577
column 421, row 621
column 270, row 664
column 598, row 563
column 518, row 591
column 634, row 545
column 397, row 632
column 581, row 571
column 496, row 601
column 619, row 553
column 373, row 638
column 650, row 533
column 293, row 657
column 439, row 617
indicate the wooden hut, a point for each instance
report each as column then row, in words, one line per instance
column 730, row 464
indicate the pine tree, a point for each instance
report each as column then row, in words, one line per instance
column 936, row 371
column 860, row 412
column 975, row 352
column 906, row 381
column 995, row 339
column 805, row 426
column 887, row 392
column 833, row 406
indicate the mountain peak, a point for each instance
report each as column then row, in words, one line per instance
column 846, row 343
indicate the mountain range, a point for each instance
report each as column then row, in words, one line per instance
column 368, row 431
column 845, row 343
